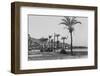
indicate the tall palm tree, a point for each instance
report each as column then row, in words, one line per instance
column 50, row 40
column 49, row 49
column 54, row 42
column 57, row 35
column 69, row 21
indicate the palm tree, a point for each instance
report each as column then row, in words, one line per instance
column 57, row 35
column 50, row 40
column 63, row 38
column 54, row 42
column 63, row 46
column 69, row 21
column 44, row 41
column 49, row 49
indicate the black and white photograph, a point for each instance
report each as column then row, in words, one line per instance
column 52, row 37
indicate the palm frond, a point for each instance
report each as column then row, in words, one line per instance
column 73, row 18
column 64, row 23
column 77, row 22
column 74, row 21
column 64, row 20
column 68, row 19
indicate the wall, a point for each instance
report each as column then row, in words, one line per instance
column 5, row 30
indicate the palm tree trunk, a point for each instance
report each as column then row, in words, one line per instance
column 54, row 42
column 63, row 43
column 71, row 43
column 57, row 41
column 49, row 42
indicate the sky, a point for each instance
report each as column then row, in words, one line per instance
column 42, row 26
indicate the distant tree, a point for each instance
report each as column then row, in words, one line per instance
column 44, row 41
column 50, row 49
column 63, row 46
column 54, row 42
column 63, row 38
column 29, row 42
column 50, row 40
column 69, row 21
column 57, row 35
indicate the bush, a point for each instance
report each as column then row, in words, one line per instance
column 63, row 51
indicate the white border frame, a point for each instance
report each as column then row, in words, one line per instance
column 25, row 64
